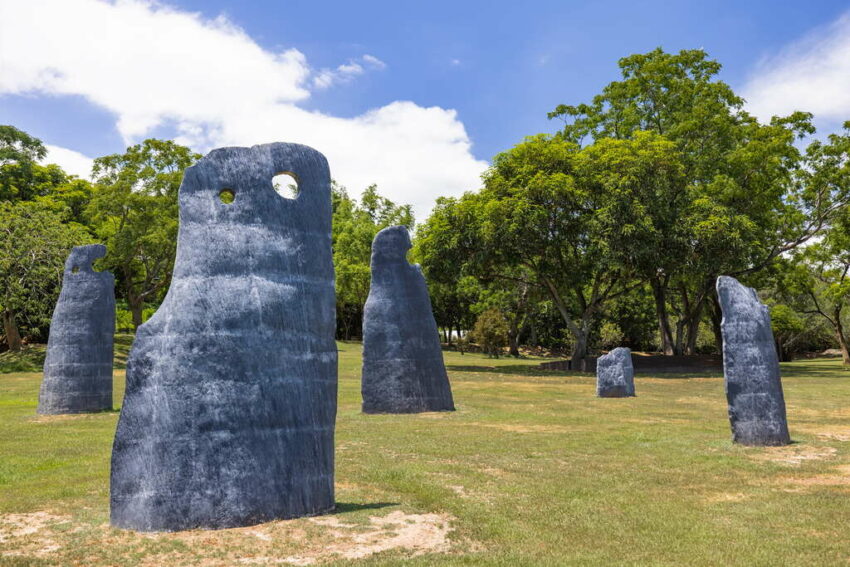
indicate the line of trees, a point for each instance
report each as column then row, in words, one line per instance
column 131, row 206
column 611, row 231
column 651, row 190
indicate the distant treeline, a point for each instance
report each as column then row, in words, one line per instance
column 610, row 232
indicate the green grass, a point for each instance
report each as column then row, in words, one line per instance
column 531, row 470
column 31, row 357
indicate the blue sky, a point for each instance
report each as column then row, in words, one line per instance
column 333, row 73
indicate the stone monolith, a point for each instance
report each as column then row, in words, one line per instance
column 78, row 366
column 403, row 369
column 615, row 374
column 750, row 367
column 228, row 416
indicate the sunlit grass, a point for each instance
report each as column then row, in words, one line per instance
column 531, row 470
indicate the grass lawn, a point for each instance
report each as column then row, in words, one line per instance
column 531, row 470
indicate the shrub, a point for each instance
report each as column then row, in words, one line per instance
column 491, row 332
column 610, row 335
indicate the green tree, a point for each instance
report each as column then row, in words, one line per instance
column 22, row 178
column 34, row 243
column 443, row 247
column 557, row 212
column 20, row 174
column 71, row 197
column 817, row 281
column 134, row 212
column 741, row 196
column 491, row 332
column 788, row 327
column 354, row 227
column 537, row 225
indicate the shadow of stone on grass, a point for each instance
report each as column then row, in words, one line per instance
column 345, row 507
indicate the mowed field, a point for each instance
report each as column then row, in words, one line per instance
column 531, row 470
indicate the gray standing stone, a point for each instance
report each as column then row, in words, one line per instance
column 751, row 367
column 78, row 366
column 615, row 374
column 403, row 369
column 228, row 417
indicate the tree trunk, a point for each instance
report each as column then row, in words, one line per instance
column 347, row 329
column 513, row 340
column 136, row 306
column 842, row 341
column 10, row 329
column 659, row 292
column 782, row 352
column 579, row 332
column 693, row 329
column 532, row 339
column 716, row 318
column 578, row 360
column 680, row 336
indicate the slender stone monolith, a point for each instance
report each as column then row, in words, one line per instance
column 751, row 367
column 228, row 417
column 403, row 370
column 615, row 374
column 78, row 366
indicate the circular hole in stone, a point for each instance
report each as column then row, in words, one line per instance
column 286, row 184
column 226, row 196
column 75, row 270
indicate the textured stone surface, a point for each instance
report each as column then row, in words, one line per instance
column 615, row 374
column 403, row 370
column 78, row 366
column 751, row 367
column 228, row 417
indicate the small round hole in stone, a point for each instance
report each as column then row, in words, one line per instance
column 227, row 196
column 285, row 184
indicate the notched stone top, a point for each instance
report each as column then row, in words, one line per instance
column 81, row 258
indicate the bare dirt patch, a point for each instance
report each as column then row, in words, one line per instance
column 21, row 525
column 416, row 533
column 831, row 432
column 306, row 541
column 819, row 414
column 727, row 497
column 841, row 477
column 21, row 534
column 794, row 454
column 62, row 417
column 648, row 420
column 521, row 428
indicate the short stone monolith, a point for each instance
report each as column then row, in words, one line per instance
column 228, row 417
column 615, row 374
column 403, row 369
column 751, row 367
column 78, row 365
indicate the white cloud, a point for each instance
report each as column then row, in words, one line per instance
column 346, row 72
column 152, row 65
column 811, row 74
column 72, row 162
column 374, row 62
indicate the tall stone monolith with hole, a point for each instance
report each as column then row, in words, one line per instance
column 228, row 417
column 78, row 366
column 751, row 367
column 615, row 374
column 403, row 369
